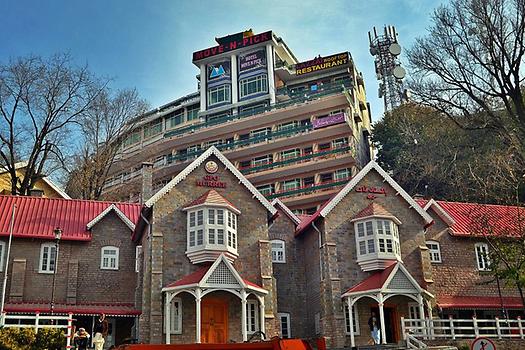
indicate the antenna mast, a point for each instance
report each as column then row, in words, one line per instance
column 389, row 72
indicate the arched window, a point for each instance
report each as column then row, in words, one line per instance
column 109, row 258
column 278, row 251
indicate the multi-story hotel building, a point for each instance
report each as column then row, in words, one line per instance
column 297, row 130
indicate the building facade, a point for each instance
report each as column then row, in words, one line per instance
column 297, row 130
column 209, row 259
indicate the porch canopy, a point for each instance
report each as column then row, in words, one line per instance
column 219, row 276
column 395, row 280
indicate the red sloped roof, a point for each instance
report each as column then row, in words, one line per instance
column 477, row 302
column 37, row 217
column 484, row 219
column 110, row 309
column 192, row 278
column 196, row 277
column 372, row 209
column 307, row 220
column 210, row 197
column 374, row 281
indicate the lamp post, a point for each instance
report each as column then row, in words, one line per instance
column 58, row 234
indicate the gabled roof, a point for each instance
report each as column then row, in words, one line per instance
column 211, row 197
column 277, row 203
column 196, row 163
column 474, row 219
column 327, row 207
column 22, row 165
column 106, row 211
column 394, row 278
column 37, row 217
column 201, row 278
column 375, row 210
column 437, row 208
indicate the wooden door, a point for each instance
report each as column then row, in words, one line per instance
column 214, row 321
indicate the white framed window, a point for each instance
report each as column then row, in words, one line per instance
column 355, row 318
column 377, row 240
column 482, row 256
column 290, row 154
column 266, row 189
column 47, row 258
column 253, row 85
column 109, row 258
column 262, row 160
column 434, row 251
column 138, row 256
column 291, row 185
column 287, row 126
column 2, row 255
column 252, row 316
column 176, row 316
column 278, row 251
column 413, row 313
column 219, row 94
column 284, row 324
column 342, row 174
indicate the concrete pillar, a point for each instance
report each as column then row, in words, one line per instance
column 243, row 315
column 382, row 318
column 147, row 181
column 271, row 79
column 167, row 318
column 235, row 82
column 198, row 315
column 261, row 315
column 349, row 305
column 203, row 87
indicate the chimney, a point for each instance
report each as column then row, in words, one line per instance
column 35, row 192
column 147, row 181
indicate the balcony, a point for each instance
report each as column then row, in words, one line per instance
column 296, row 160
column 309, row 189
column 295, row 98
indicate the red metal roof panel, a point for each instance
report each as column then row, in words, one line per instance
column 478, row 302
column 374, row 281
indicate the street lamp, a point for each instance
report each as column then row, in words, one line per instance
column 58, row 234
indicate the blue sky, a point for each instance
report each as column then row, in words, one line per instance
column 148, row 44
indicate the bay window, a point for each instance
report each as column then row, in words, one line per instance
column 377, row 242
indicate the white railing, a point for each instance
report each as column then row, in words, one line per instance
column 414, row 343
column 39, row 322
column 462, row 328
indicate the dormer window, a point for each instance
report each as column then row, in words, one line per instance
column 377, row 238
column 211, row 228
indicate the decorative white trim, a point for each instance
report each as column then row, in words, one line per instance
column 56, row 188
column 213, row 205
column 440, row 211
column 378, row 216
column 287, row 210
column 356, row 179
column 106, row 211
column 195, row 164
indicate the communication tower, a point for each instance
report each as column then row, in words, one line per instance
column 386, row 49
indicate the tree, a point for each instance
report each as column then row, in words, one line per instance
column 428, row 154
column 105, row 125
column 470, row 67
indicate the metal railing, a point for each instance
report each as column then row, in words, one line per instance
column 294, row 160
column 296, row 96
column 308, row 189
column 462, row 328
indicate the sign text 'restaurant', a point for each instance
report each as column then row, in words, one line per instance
column 321, row 63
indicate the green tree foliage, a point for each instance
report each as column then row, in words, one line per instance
column 428, row 154
column 27, row 339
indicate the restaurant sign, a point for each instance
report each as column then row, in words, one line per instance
column 211, row 181
column 234, row 44
column 321, row 63
column 371, row 192
column 252, row 60
column 334, row 119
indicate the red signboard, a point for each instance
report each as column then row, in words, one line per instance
column 372, row 192
column 232, row 45
column 211, row 181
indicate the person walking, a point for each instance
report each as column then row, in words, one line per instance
column 101, row 332
column 373, row 323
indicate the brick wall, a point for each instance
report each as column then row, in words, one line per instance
column 168, row 245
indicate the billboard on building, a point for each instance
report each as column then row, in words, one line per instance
column 231, row 43
column 252, row 60
column 219, row 70
column 321, row 63
column 333, row 119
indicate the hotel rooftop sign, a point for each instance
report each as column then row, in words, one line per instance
column 321, row 63
column 236, row 42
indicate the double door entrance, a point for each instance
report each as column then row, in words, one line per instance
column 214, row 321
column 391, row 322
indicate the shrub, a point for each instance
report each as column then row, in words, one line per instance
column 26, row 339
column 50, row 339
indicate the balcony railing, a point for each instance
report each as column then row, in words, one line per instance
column 296, row 96
column 295, row 160
column 309, row 189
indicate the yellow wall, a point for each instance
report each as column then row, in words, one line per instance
column 5, row 185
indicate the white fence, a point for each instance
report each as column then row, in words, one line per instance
column 462, row 328
column 38, row 322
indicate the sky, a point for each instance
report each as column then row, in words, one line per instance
column 148, row 44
